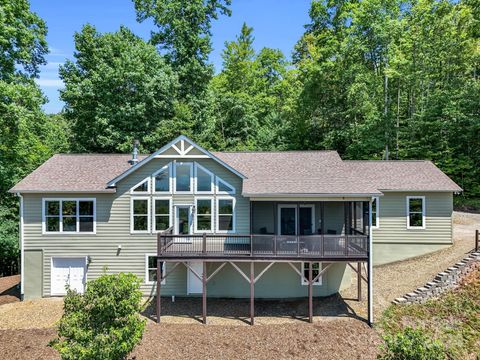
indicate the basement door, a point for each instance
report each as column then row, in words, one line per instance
column 68, row 271
column 194, row 284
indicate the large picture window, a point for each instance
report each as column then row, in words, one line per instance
column 204, row 213
column 225, row 214
column 416, row 212
column 140, row 216
column 183, row 177
column 162, row 180
column 204, row 180
column 162, row 214
column 316, row 268
column 69, row 216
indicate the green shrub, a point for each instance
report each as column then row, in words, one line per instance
column 412, row 344
column 103, row 323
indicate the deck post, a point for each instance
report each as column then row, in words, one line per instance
column 252, row 293
column 370, row 266
column 359, row 280
column 310, row 295
column 204, row 292
column 159, row 281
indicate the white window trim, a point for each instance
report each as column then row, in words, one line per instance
column 175, row 177
column 217, row 215
column 212, row 184
column 305, row 281
column 170, row 182
column 196, row 214
column 377, row 214
column 286, row 206
column 217, row 180
column 61, row 232
column 68, row 257
column 132, row 199
column 154, row 213
column 424, row 223
column 147, row 268
column 149, row 187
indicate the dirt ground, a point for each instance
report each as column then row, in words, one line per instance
column 338, row 332
column 9, row 289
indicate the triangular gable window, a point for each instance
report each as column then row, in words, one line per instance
column 141, row 188
column 224, row 187
column 204, row 180
column 162, row 179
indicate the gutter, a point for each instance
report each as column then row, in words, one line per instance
column 22, row 257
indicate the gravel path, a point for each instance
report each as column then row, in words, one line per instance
column 396, row 279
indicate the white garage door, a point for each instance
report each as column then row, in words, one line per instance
column 68, row 271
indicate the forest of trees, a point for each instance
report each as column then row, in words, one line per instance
column 373, row 79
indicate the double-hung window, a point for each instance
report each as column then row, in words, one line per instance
column 140, row 214
column 416, row 212
column 226, row 214
column 316, row 268
column 204, row 211
column 69, row 216
column 151, row 269
column 162, row 214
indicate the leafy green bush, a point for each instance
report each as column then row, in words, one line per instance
column 412, row 344
column 103, row 323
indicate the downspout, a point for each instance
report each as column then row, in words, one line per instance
column 22, row 257
column 370, row 264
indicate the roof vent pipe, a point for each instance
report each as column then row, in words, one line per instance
column 134, row 159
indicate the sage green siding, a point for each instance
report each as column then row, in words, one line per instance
column 113, row 229
column 33, row 262
column 392, row 241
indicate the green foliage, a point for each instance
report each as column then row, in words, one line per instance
column 22, row 40
column 119, row 89
column 183, row 32
column 104, row 322
column 451, row 319
column 412, row 344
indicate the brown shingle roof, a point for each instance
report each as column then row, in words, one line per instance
column 398, row 175
column 75, row 173
column 268, row 173
column 296, row 173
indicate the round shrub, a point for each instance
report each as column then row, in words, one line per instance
column 104, row 322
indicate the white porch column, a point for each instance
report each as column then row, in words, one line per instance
column 370, row 265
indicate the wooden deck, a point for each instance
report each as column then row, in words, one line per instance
column 263, row 247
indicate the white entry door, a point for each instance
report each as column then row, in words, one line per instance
column 68, row 271
column 194, row 284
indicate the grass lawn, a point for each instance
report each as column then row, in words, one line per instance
column 453, row 319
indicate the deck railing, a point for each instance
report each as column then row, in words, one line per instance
column 233, row 245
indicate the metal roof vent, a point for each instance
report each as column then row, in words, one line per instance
column 134, row 159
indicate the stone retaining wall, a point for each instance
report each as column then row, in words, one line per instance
column 443, row 281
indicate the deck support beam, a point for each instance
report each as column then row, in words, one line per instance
column 204, row 292
column 359, row 281
column 159, row 281
column 370, row 265
column 252, row 293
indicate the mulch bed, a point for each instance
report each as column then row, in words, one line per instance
column 9, row 289
column 27, row 344
column 335, row 339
